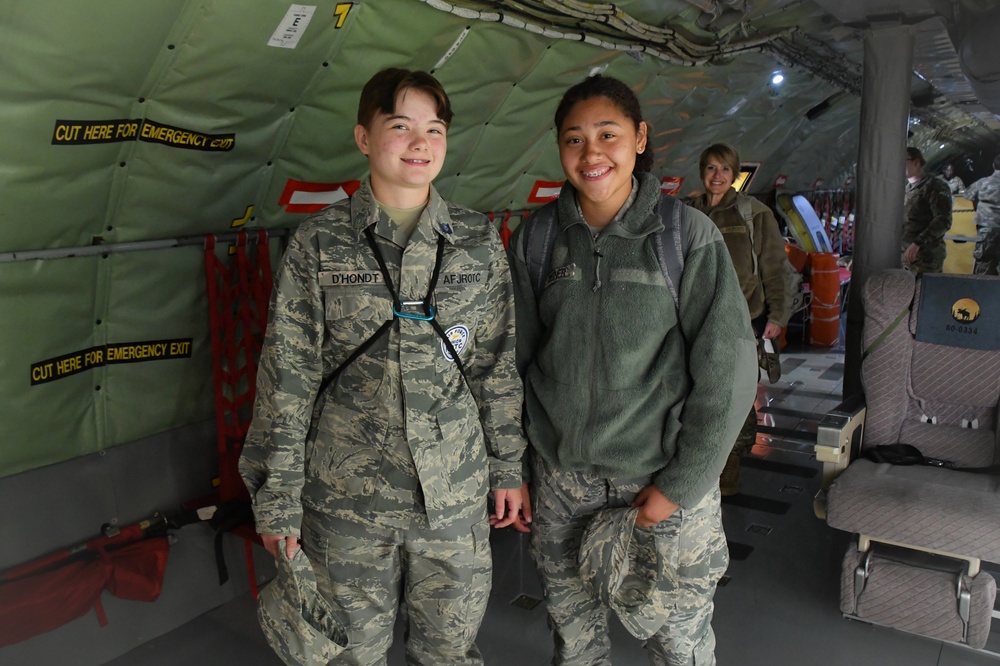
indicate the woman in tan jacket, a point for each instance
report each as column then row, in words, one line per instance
column 758, row 253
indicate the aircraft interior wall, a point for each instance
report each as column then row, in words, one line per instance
column 132, row 125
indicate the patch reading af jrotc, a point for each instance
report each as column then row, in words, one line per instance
column 567, row 272
column 348, row 278
column 475, row 277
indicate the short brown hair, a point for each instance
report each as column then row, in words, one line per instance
column 380, row 93
column 915, row 154
column 722, row 152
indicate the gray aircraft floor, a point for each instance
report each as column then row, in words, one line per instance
column 778, row 603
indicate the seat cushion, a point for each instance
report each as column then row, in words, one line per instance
column 927, row 507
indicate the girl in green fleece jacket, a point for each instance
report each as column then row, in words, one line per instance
column 633, row 395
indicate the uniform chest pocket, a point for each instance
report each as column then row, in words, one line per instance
column 461, row 302
column 354, row 312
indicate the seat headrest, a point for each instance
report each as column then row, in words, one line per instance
column 887, row 293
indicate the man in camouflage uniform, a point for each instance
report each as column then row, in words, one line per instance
column 955, row 183
column 371, row 447
column 926, row 217
column 985, row 196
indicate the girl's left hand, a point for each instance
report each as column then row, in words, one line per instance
column 654, row 507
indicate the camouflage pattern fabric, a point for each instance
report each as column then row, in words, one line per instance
column 443, row 575
column 328, row 452
column 985, row 193
column 987, row 251
column 622, row 566
column 297, row 621
column 564, row 502
column 956, row 185
column 399, row 447
column 926, row 219
column 748, row 434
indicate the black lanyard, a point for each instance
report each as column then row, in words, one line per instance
column 399, row 307
column 398, row 312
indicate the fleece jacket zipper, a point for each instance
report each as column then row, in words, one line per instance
column 595, row 299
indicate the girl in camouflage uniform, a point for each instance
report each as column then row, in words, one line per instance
column 388, row 405
column 630, row 399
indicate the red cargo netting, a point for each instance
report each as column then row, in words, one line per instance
column 238, row 298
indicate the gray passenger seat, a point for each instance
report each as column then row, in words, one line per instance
column 923, row 530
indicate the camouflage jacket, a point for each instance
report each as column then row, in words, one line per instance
column 926, row 212
column 985, row 193
column 329, row 298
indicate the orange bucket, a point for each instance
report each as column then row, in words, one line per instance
column 824, row 310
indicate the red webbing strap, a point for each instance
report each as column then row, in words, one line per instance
column 219, row 305
column 251, row 569
column 238, row 299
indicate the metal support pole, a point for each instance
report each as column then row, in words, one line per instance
column 885, row 108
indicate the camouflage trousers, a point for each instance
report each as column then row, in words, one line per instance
column 443, row 577
column 748, row 434
column 563, row 504
column 987, row 252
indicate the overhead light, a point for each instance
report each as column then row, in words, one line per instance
column 942, row 146
column 777, row 78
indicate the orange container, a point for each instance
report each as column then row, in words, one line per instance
column 824, row 309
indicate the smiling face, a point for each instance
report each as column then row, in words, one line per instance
column 717, row 177
column 405, row 149
column 598, row 145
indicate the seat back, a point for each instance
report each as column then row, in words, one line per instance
column 923, row 383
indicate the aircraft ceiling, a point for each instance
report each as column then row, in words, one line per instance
column 136, row 123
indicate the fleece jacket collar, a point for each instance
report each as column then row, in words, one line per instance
column 637, row 222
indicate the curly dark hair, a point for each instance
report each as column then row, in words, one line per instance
column 619, row 94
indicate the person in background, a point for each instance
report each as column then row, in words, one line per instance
column 954, row 182
column 388, row 403
column 631, row 398
column 985, row 196
column 926, row 217
column 758, row 252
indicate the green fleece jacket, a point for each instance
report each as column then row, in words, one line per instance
column 617, row 381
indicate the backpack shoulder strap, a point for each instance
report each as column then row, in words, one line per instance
column 745, row 207
column 669, row 246
column 536, row 242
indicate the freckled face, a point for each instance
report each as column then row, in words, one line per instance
column 717, row 177
column 598, row 145
column 405, row 149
